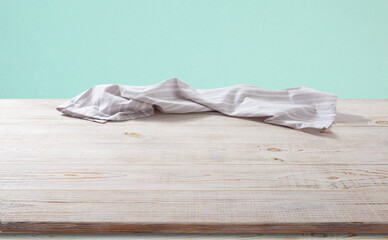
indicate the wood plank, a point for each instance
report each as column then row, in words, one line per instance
column 130, row 142
column 109, row 227
column 194, row 177
column 192, row 173
column 368, row 153
column 185, row 206
column 198, row 236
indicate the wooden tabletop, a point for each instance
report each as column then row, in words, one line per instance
column 192, row 173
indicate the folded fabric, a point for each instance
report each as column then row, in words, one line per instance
column 298, row 107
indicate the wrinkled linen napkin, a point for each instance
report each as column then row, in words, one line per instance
column 298, row 107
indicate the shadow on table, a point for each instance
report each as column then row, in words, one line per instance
column 341, row 119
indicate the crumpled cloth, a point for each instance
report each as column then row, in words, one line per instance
column 298, row 107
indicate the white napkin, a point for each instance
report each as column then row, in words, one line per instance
column 298, row 107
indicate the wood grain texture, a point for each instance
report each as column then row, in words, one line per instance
column 192, row 173
column 203, row 236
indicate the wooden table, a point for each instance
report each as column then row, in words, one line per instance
column 192, row 173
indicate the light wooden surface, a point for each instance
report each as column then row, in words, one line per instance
column 192, row 173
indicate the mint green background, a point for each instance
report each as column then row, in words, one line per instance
column 58, row 48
